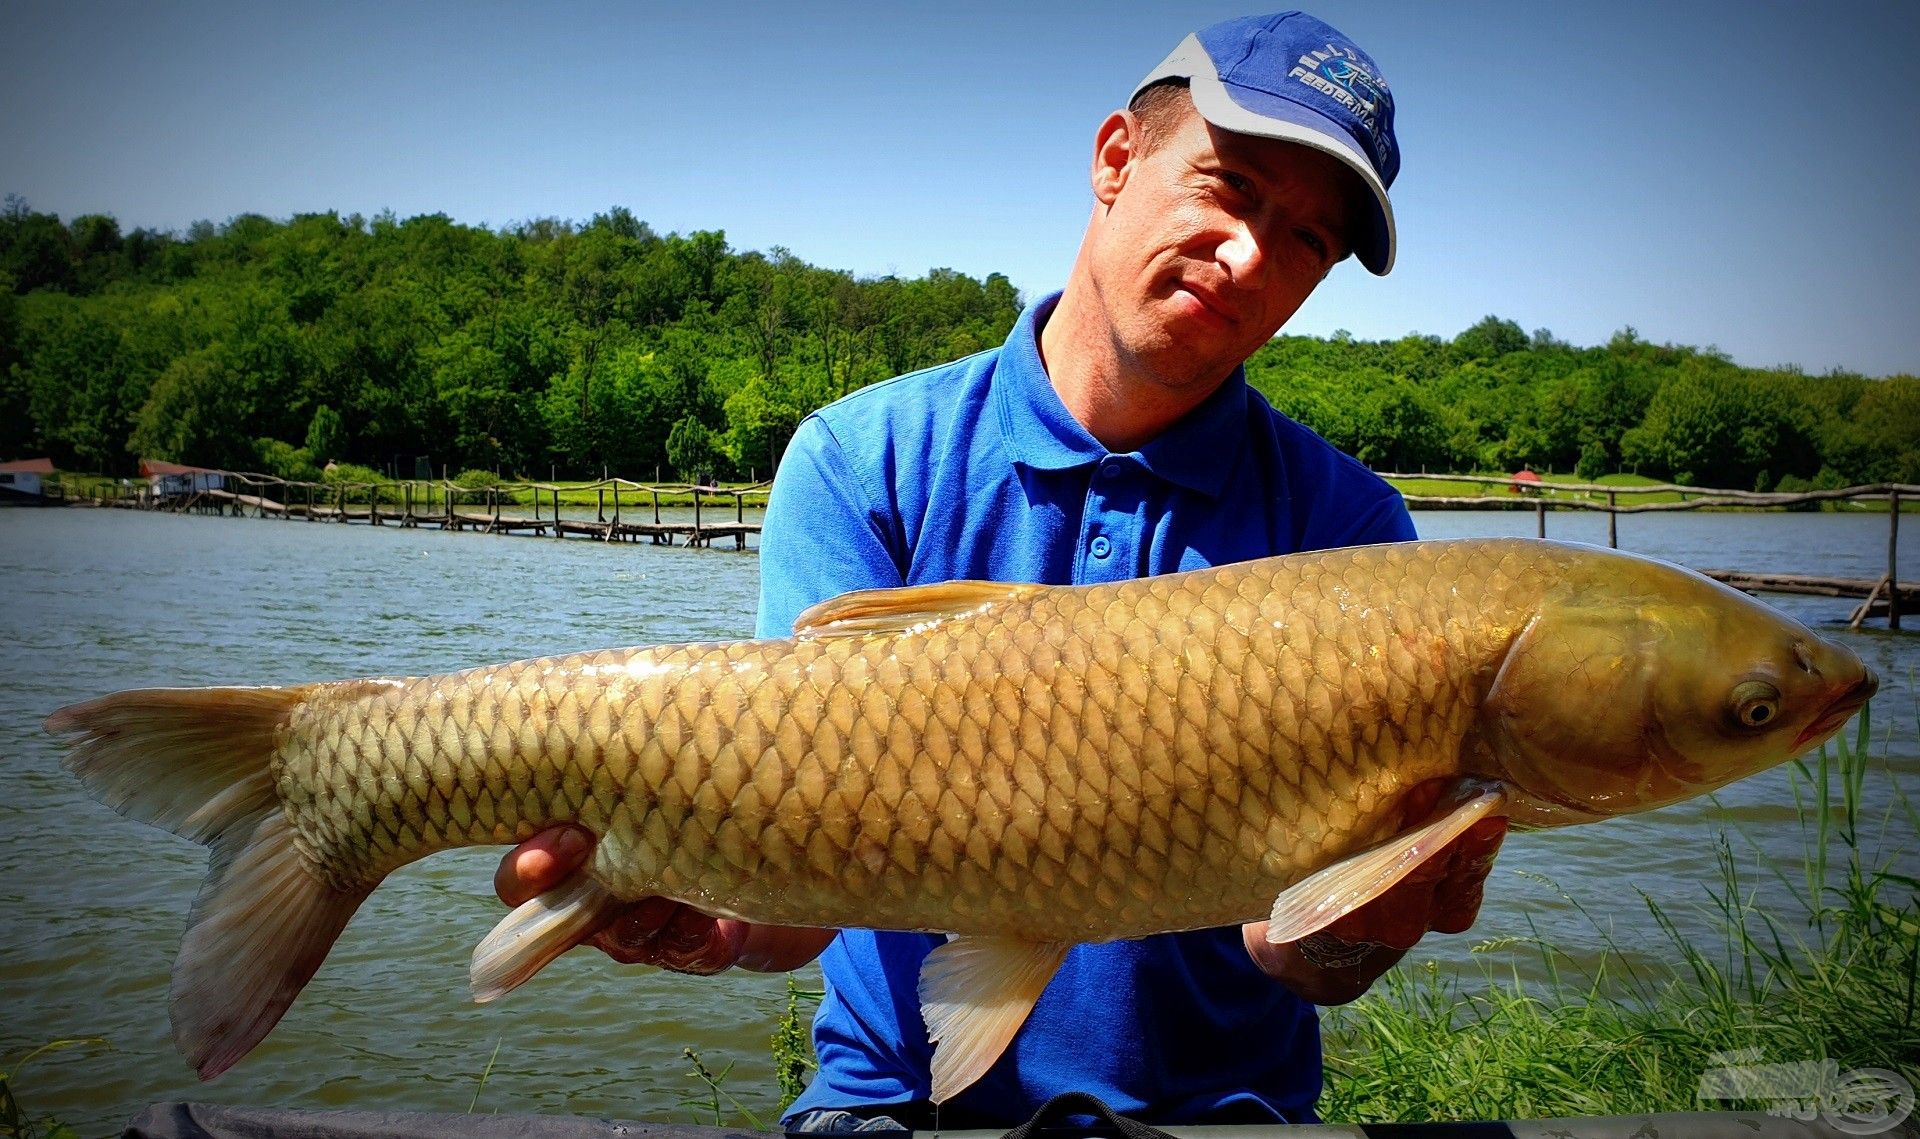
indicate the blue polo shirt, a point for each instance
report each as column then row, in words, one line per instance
column 977, row 470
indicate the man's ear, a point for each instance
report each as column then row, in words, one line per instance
column 1114, row 149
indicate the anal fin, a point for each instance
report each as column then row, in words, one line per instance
column 1331, row 893
column 535, row 933
column 975, row 993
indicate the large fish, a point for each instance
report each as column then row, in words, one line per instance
column 1024, row 766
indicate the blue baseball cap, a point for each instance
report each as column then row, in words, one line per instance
column 1292, row 77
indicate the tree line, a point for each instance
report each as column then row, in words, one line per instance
column 573, row 349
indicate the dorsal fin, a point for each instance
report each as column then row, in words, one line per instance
column 867, row 611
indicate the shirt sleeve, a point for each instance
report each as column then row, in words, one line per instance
column 822, row 535
column 1387, row 521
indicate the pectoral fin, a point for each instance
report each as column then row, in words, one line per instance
column 1313, row 903
column 975, row 993
column 535, row 933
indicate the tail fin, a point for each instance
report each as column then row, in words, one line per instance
column 197, row 761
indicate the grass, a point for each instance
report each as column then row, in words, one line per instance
column 1501, row 493
column 793, row 1061
column 1837, row 981
column 713, row 1105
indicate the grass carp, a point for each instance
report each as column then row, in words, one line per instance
column 1024, row 766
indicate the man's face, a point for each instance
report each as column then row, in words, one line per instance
column 1209, row 241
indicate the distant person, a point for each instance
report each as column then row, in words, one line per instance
column 1112, row 435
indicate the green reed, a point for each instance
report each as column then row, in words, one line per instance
column 1624, row 1033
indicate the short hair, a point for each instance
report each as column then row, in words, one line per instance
column 1157, row 107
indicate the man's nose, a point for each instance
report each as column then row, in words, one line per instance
column 1242, row 254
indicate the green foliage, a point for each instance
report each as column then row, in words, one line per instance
column 793, row 1056
column 474, row 479
column 286, row 460
column 694, row 450
column 351, row 474
column 1593, row 461
column 326, row 435
column 550, row 346
column 1490, row 339
column 578, row 349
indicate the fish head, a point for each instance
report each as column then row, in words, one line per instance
column 1638, row 684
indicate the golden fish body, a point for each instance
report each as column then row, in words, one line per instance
column 1033, row 766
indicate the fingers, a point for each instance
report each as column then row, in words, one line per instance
column 541, row 863
column 1397, row 918
column 670, row 935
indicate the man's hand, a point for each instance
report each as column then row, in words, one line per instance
column 654, row 931
column 1440, row 895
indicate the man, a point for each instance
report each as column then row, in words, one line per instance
column 1113, row 435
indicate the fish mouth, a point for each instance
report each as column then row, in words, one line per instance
column 1840, row 711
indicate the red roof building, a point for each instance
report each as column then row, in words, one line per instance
column 150, row 468
column 28, row 467
column 174, row 478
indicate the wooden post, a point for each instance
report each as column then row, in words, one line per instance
column 1613, row 523
column 1540, row 519
column 656, row 504
column 616, row 511
column 1866, row 607
column 695, row 540
column 1893, row 557
column 600, row 505
column 494, row 494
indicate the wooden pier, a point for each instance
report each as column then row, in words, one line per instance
column 624, row 511
column 1885, row 597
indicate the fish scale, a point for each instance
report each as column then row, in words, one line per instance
column 1025, row 766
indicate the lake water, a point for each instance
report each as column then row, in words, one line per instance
column 91, row 907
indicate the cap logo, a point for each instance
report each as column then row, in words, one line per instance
column 1336, row 73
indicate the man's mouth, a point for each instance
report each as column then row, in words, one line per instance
column 1210, row 301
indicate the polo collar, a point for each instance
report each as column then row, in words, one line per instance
column 1198, row 453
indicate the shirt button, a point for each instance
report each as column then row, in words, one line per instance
column 1112, row 468
column 1100, row 547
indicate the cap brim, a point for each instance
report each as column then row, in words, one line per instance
column 1244, row 110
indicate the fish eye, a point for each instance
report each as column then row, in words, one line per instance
column 1755, row 704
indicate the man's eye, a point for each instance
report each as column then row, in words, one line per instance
column 1312, row 241
column 1238, row 183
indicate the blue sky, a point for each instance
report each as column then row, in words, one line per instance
column 1736, row 175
